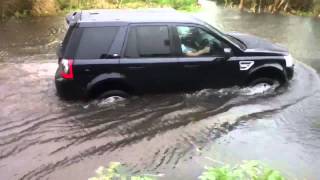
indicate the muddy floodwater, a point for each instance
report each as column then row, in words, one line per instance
column 44, row 137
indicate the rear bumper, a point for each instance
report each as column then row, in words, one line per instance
column 68, row 89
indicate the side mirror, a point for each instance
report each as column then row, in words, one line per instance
column 227, row 53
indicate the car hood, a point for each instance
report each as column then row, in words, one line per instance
column 257, row 43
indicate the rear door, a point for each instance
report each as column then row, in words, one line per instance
column 148, row 62
column 95, row 52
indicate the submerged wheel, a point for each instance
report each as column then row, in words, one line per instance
column 265, row 82
column 113, row 95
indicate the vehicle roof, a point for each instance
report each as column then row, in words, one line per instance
column 131, row 16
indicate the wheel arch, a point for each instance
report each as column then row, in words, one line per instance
column 107, row 81
column 275, row 71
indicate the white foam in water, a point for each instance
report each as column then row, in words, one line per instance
column 110, row 101
column 214, row 92
column 203, row 92
column 247, row 91
column 258, row 89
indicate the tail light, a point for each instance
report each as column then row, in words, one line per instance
column 67, row 69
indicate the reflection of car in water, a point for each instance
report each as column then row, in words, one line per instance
column 118, row 53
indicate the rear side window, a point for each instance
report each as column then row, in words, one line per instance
column 67, row 38
column 148, row 41
column 64, row 51
column 95, row 42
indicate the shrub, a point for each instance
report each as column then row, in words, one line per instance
column 179, row 4
column 316, row 8
column 248, row 170
column 116, row 171
column 44, row 7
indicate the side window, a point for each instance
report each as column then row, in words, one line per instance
column 67, row 38
column 195, row 41
column 95, row 42
column 148, row 41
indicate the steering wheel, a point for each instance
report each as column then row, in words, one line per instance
column 205, row 43
column 215, row 47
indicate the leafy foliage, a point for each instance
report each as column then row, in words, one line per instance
column 116, row 171
column 299, row 7
column 42, row 7
column 248, row 170
column 179, row 4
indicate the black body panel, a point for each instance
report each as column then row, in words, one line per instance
column 254, row 42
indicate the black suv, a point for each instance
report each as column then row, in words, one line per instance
column 123, row 52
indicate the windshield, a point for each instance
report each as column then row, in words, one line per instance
column 232, row 39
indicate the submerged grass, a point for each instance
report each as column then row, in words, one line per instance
column 247, row 170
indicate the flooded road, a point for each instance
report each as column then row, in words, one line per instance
column 44, row 137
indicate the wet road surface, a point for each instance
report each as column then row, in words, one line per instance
column 44, row 137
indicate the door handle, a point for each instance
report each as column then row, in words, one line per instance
column 136, row 67
column 191, row 66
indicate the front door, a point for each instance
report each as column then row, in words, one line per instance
column 201, row 56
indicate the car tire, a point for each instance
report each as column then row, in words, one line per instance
column 265, row 81
column 115, row 94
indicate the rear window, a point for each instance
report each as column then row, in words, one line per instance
column 148, row 41
column 95, row 42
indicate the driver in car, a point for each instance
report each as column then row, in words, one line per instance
column 197, row 48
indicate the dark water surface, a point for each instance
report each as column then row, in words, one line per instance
column 43, row 137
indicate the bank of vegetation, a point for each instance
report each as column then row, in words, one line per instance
column 20, row 8
column 296, row 7
column 247, row 170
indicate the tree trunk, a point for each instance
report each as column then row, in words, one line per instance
column 287, row 6
column 258, row 6
column 275, row 5
column 281, row 4
column 1, row 10
column 263, row 5
column 119, row 3
column 241, row 5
